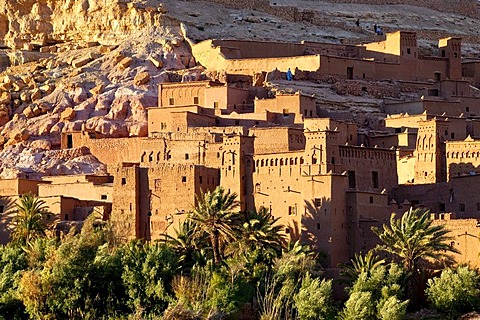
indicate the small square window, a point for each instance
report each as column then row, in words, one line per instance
column 2, row 208
column 318, row 202
column 371, row 199
column 171, row 101
column 287, row 230
column 195, row 100
column 124, row 181
column 186, row 156
column 318, row 226
column 442, row 207
column 103, row 197
column 462, row 207
column 184, row 178
column 291, row 210
column 200, row 179
column 409, row 51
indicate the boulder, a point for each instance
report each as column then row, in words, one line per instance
column 97, row 89
column 125, row 63
column 5, row 98
column 157, row 61
column 25, row 96
column 36, row 94
column 28, row 112
column 141, row 78
column 4, row 114
column 47, row 88
column 80, row 62
column 68, row 114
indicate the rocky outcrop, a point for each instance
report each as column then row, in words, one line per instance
column 45, row 22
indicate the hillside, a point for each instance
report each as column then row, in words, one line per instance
column 96, row 64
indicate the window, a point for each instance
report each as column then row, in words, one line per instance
column 186, row 156
column 66, row 216
column 195, row 100
column 452, row 135
column 318, row 226
column 171, row 101
column 184, row 178
column 292, row 210
column 462, row 207
column 351, row 179
column 467, row 109
column 478, row 207
column 200, row 179
column 287, row 230
column 124, row 181
column 69, row 141
column 2, row 208
column 375, row 179
column 409, row 51
column 371, row 199
column 318, row 202
column 215, row 105
column 103, row 197
column 442, row 207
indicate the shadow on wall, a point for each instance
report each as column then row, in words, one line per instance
column 7, row 211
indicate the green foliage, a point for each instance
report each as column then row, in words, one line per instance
column 314, row 299
column 384, row 286
column 80, row 279
column 214, row 216
column 391, row 308
column 147, row 272
column 413, row 237
column 258, row 230
column 359, row 306
column 362, row 264
column 13, row 262
column 30, row 221
column 455, row 291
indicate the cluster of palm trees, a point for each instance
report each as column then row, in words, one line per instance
column 216, row 222
column 218, row 239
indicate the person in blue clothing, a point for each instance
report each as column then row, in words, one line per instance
column 289, row 75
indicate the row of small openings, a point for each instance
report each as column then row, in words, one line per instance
column 171, row 101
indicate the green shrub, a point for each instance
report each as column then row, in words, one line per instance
column 455, row 291
column 314, row 299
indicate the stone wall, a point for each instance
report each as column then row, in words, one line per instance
column 464, row 7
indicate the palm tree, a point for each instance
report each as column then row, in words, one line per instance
column 368, row 264
column 214, row 216
column 187, row 244
column 30, row 219
column 260, row 232
column 413, row 237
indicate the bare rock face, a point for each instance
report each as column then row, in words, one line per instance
column 37, row 161
column 39, row 22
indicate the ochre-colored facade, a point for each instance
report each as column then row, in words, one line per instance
column 325, row 182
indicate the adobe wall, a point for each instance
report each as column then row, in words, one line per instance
column 183, row 94
column 465, row 234
column 126, row 203
column 364, row 162
column 277, row 139
column 80, row 190
column 172, row 189
column 257, row 49
column 406, row 169
column 463, row 7
column 364, row 206
column 15, row 187
column 463, row 158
